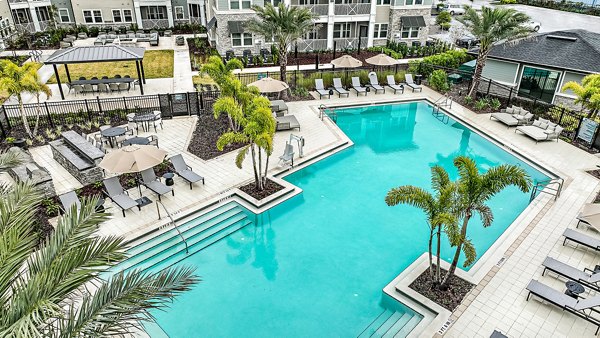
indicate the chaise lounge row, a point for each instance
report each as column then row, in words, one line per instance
column 360, row 89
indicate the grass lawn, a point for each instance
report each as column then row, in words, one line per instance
column 157, row 64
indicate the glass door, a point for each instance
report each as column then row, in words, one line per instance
column 538, row 83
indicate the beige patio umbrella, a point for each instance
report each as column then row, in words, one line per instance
column 590, row 215
column 269, row 85
column 132, row 159
column 382, row 60
column 346, row 61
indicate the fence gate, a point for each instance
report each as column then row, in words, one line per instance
column 180, row 105
column 194, row 105
column 4, row 124
column 165, row 105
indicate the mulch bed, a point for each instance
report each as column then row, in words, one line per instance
column 204, row 140
column 449, row 299
column 270, row 188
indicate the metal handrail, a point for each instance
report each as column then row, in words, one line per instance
column 543, row 186
column 174, row 224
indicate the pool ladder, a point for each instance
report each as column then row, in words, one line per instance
column 327, row 111
column 444, row 101
column 172, row 222
column 552, row 187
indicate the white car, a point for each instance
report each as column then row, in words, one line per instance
column 455, row 9
column 533, row 25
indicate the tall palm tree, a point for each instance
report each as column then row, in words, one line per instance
column 438, row 209
column 588, row 92
column 473, row 192
column 285, row 24
column 55, row 289
column 16, row 80
column 491, row 26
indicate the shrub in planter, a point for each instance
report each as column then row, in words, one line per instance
column 468, row 100
column 443, row 17
column 438, row 80
column 482, row 104
column 495, row 104
column 445, row 26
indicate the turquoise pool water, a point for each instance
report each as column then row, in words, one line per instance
column 315, row 265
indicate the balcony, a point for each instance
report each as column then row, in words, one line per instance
column 352, row 9
column 155, row 23
column 313, row 44
column 317, row 9
column 25, row 27
column 15, row 2
column 350, row 43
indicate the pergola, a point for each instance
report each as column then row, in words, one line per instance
column 90, row 54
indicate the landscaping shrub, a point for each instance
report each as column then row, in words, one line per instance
column 448, row 59
column 508, row 2
column 439, row 81
column 482, row 104
column 443, row 17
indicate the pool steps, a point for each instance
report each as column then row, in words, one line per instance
column 390, row 324
column 166, row 248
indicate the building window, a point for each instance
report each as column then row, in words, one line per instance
column 240, row 4
column 155, row 13
column 383, row 2
column 410, row 32
column 179, row 15
column 127, row 15
column 97, row 15
column 63, row 14
column 241, row 39
column 380, row 31
column 275, row 3
column 42, row 14
column 194, row 10
column 341, row 30
column 413, row 2
column 117, row 16
column 92, row 16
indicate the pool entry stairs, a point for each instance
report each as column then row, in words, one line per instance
column 390, row 324
column 176, row 242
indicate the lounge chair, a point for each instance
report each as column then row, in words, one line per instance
column 586, row 276
column 320, row 88
column 391, row 82
column 279, row 107
column 357, row 86
column 409, row 82
column 566, row 302
column 337, row 86
column 583, row 239
column 185, row 171
column 288, row 122
column 115, row 191
column 288, row 154
column 68, row 200
column 150, row 181
column 541, row 130
column 374, row 82
column 513, row 116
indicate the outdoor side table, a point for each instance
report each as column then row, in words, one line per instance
column 169, row 179
column 136, row 140
column 574, row 289
column 111, row 133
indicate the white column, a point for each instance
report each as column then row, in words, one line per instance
column 170, row 13
column 138, row 14
column 202, row 14
column 372, row 23
column 34, row 18
column 330, row 15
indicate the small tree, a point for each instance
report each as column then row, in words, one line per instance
column 439, row 81
column 233, row 94
column 588, row 93
column 473, row 192
column 16, row 80
column 443, row 17
column 438, row 209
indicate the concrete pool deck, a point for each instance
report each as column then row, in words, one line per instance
column 500, row 302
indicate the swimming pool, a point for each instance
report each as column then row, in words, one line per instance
column 315, row 265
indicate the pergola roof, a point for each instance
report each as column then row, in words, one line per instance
column 95, row 54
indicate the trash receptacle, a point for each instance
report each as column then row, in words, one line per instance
column 418, row 79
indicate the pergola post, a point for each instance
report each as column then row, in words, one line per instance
column 62, row 95
column 67, row 71
column 137, row 65
column 143, row 74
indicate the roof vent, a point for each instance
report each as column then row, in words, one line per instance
column 561, row 37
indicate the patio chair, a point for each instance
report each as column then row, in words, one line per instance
column 279, row 107
column 157, row 119
column 586, row 276
column 583, row 239
column 103, row 88
column 123, row 86
column 115, row 191
column 288, row 122
column 82, row 78
column 127, row 77
column 132, row 125
column 128, row 134
column 77, row 89
column 320, row 88
column 374, row 82
column 114, row 87
column 288, row 154
column 337, row 86
column 117, row 76
column 105, row 77
column 88, row 88
column 150, row 181
column 94, row 78
column 153, row 140
column 409, row 82
column 391, row 82
column 566, row 302
column 68, row 200
column 185, row 171
column 357, row 86
column 541, row 130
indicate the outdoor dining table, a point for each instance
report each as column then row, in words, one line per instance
column 105, row 81
column 113, row 132
column 144, row 119
column 136, row 140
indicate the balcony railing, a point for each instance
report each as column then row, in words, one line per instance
column 45, row 25
column 318, row 9
column 25, row 1
column 155, row 23
column 352, row 9
column 351, row 43
column 310, row 45
column 25, row 27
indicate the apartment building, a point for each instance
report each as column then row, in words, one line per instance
column 339, row 23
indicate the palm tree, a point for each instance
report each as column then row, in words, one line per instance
column 473, row 191
column 491, row 26
column 438, row 209
column 54, row 288
column 284, row 24
column 588, row 93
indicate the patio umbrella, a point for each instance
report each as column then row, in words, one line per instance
column 346, row 61
column 382, row 60
column 590, row 215
column 269, row 85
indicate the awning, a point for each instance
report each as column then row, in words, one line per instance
column 412, row 21
column 236, row 27
column 211, row 23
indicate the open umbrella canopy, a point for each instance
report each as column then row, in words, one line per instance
column 269, row 85
column 382, row 60
column 590, row 214
column 132, row 159
column 346, row 61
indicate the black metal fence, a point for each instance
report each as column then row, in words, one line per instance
column 101, row 110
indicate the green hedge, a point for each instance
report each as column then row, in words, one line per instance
column 449, row 59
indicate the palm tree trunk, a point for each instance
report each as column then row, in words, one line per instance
column 437, row 267
column 463, row 235
column 481, row 58
column 256, row 180
column 283, row 55
column 261, row 184
column 23, row 116
column 266, row 168
column 430, row 254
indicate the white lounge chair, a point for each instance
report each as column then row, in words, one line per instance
column 409, row 82
column 337, row 86
column 357, row 86
column 391, row 82
column 288, row 154
column 374, row 82
column 513, row 116
column 541, row 130
column 320, row 88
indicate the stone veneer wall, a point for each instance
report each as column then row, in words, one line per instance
column 223, row 37
column 567, row 102
column 30, row 171
column 67, row 159
column 394, row 25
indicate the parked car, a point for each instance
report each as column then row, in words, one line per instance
column 468, row 41
column 454, row 9
column 534, row 25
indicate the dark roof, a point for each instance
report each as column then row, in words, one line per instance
column 576, row 49
column 412, row 21
column 96, row 54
